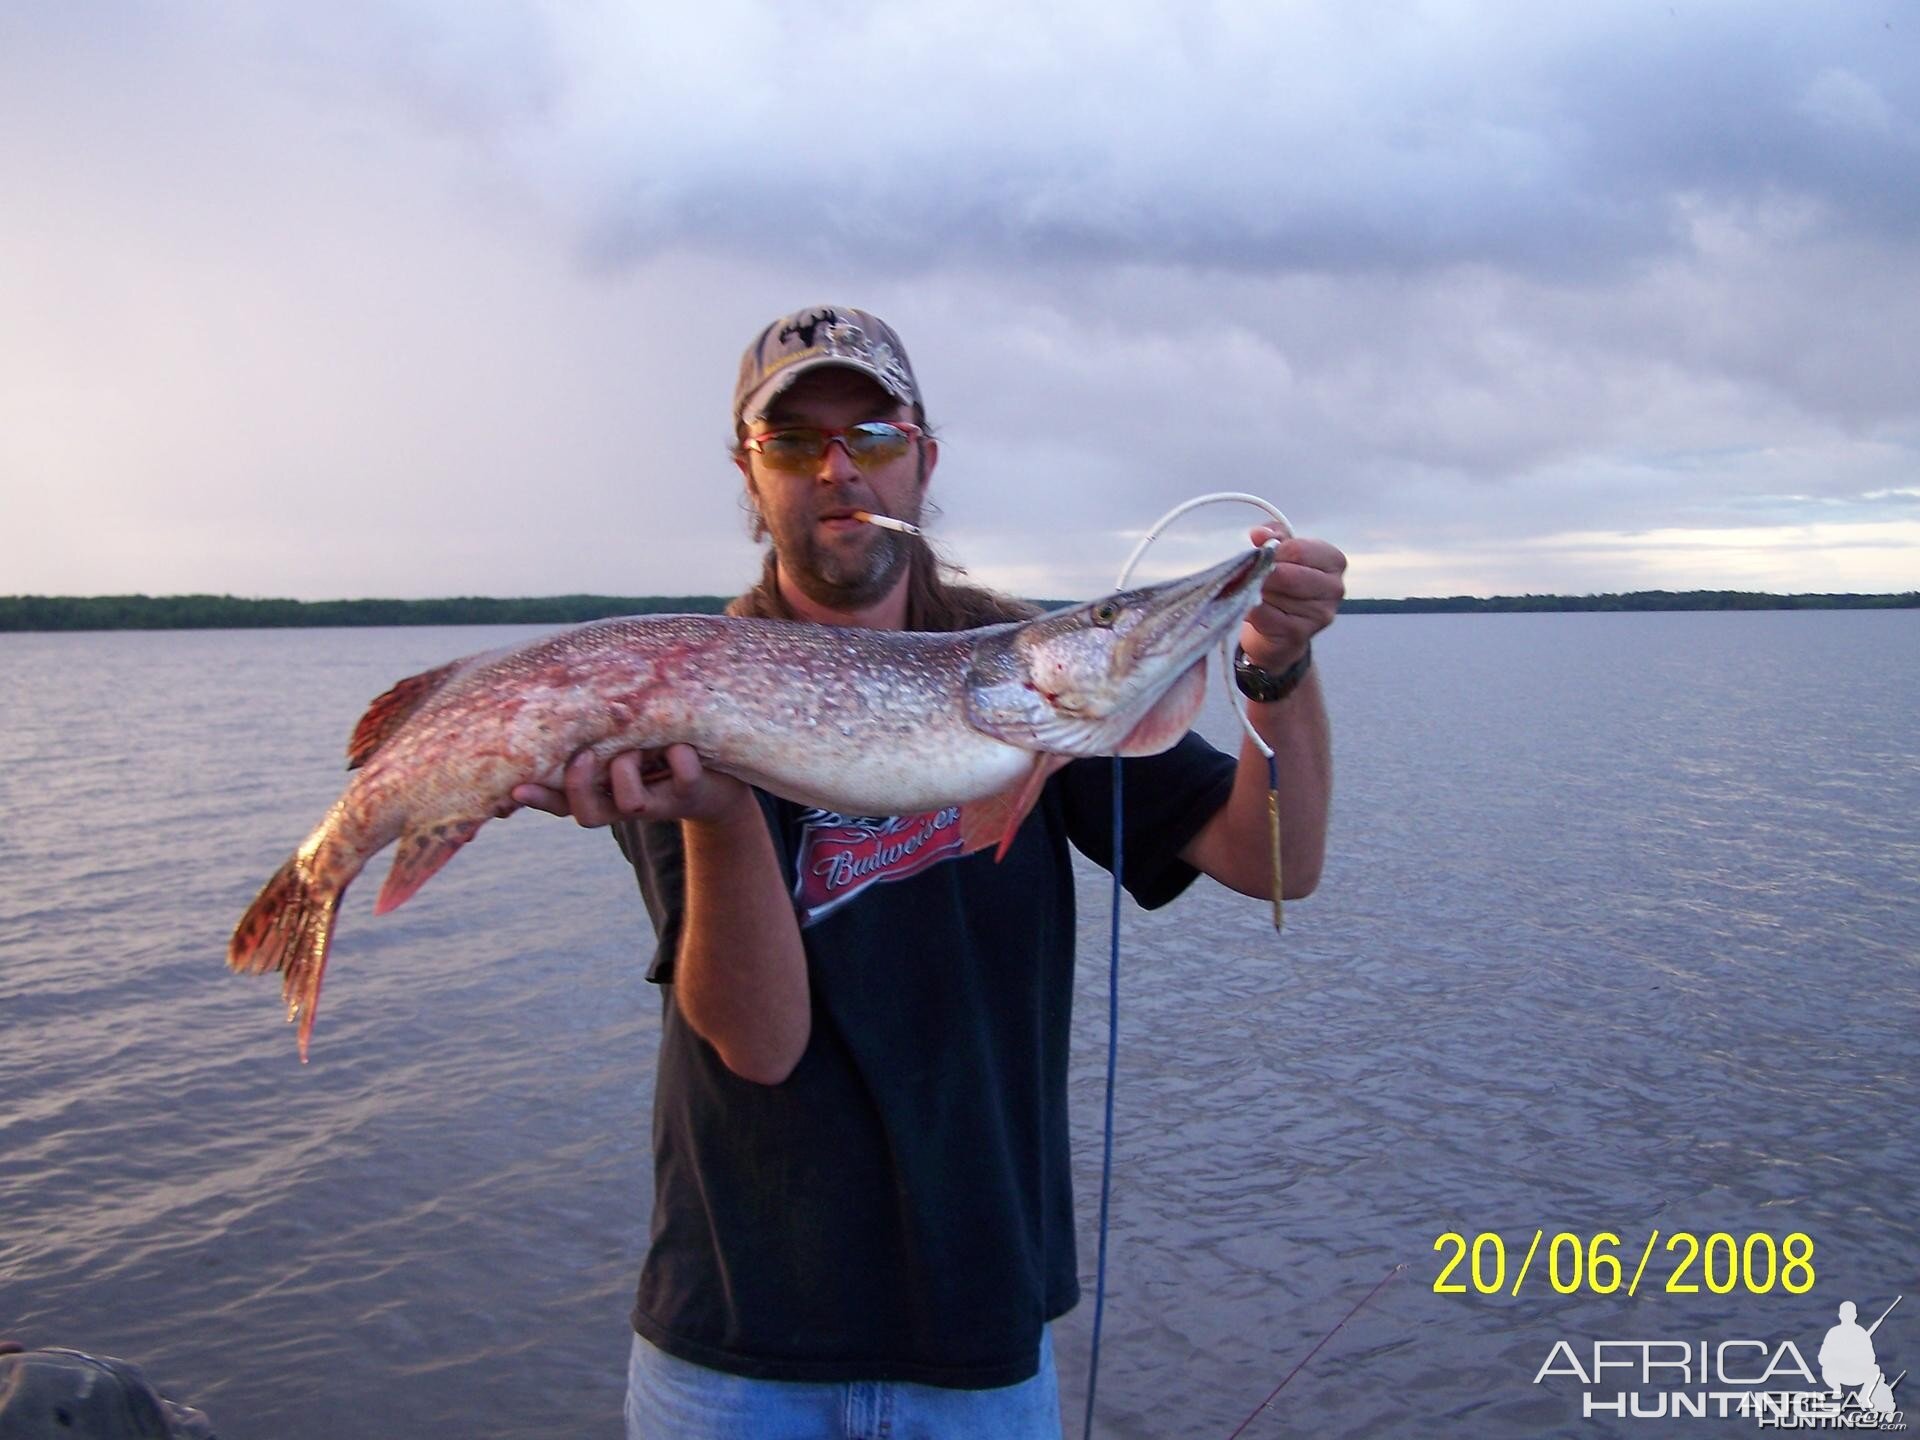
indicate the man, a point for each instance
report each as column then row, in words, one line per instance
column 863, row 1217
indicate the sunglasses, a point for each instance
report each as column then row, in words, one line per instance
column 869, row 445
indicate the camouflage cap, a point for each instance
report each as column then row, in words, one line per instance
column 817, row 336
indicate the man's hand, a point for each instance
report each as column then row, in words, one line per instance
column 669, row 784
column 1297, row 599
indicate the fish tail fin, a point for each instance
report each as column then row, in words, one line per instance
column 289, row 928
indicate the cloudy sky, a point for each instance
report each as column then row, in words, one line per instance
column 441, row 297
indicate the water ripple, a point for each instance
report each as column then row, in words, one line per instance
column 1610, row 938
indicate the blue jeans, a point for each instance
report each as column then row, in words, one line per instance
column 673, row 1399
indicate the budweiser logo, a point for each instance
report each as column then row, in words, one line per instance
column 842, row 855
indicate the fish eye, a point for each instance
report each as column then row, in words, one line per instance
column 1106, row 612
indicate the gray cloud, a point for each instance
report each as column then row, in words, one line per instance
column 420, row 298
column 1370, row 137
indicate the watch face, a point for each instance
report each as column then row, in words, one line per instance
column 1254, row 683
column 1263, row 685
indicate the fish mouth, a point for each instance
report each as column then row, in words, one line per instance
column 1159, row 634
column 1194, row 613
column 1237, row 581
column 1192, row 617
column 1184, row 619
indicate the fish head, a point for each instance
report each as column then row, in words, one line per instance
column 1121, row 675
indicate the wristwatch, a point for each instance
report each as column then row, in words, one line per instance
column 1264, row 685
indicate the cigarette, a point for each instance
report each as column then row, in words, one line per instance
column 886, row 522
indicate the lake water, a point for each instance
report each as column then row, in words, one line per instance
column 1620, row 932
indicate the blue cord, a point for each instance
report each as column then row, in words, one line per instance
column 1106, row 1149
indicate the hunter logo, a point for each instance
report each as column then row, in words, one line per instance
column 842, row 855
column 1850, row 1365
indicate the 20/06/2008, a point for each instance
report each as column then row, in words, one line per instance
column 1574, row 1263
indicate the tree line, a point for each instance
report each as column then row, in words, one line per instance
column 1629, row 600
column 228, row 612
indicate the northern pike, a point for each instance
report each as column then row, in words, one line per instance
column 852, row 720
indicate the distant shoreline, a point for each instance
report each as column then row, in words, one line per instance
column 226, row 612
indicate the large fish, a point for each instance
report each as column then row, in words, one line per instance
column 857, row 721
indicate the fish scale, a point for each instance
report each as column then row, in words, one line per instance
column 846, row 719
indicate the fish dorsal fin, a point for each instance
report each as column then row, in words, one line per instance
column 996, row 819
column 388, row 713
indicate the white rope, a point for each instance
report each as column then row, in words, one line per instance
column 1113, row 970
column 1234, row 697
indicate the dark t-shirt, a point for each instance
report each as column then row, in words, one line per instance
column 901, row 1207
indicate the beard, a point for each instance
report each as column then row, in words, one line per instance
column 847, row 571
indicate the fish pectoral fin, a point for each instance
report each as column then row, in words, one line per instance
column 996, row 819
column 390, row 711
column 1171, row 715
column 422, row 850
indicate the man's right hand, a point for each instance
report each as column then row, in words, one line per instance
column 669, row 784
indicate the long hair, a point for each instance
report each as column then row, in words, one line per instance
column 936, row 599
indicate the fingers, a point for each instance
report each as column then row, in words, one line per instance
column 684, row 770
column 1300, row 550
column 589, row 800
column 1296, row 587
column 1306, row 573
column 1298, row 598
column 540, row 797
column 632, row 785
column 664, row 784
column 628, row 784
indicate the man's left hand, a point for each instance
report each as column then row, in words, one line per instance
column 1298, row 599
